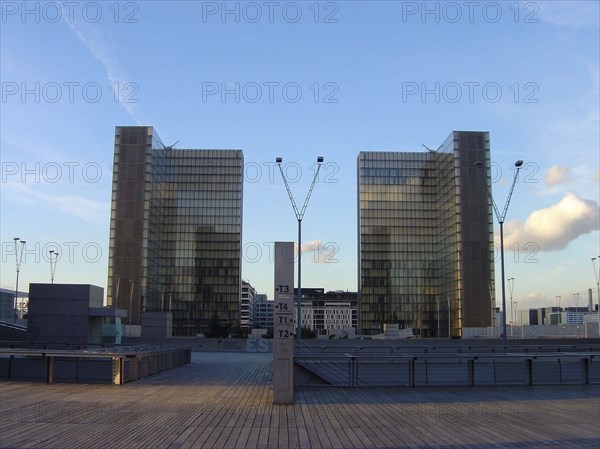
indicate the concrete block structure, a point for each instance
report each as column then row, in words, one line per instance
column 72, row 314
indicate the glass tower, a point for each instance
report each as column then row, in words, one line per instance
column 176, row 230
column 425, row 238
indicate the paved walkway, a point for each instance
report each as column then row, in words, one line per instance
column 223, row 400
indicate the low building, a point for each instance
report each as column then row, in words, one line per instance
column 540, row 315
column 7, row 305
column 262, row 312
column 247, row 306
column 327, row 312
column 73, row 314
column 571, row 315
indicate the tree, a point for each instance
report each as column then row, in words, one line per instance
column 238, row 332
column 307, row 332
column 217, row 328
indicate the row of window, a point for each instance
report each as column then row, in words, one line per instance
column 368, row 157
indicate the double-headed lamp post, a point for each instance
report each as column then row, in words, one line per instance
column 299, row 216
column 19, row 250
column 437, row 302
column 511, row 284
column 131, row 285
column 53, row 262
column 597, row 275
column 501, row 218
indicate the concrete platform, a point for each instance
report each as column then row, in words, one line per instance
column 223, row 400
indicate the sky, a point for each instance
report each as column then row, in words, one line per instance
column 299, row 80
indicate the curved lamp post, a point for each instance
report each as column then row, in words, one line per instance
column 19, row 259
column 53, row 262
column 597, row 275
column 501, row 218
column 299, row 216
column 511, row 284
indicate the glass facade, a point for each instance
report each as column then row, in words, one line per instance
column 425, row 238
column 176, row 226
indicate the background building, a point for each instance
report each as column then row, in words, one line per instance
column 263, row 312
column 570, row 315
column 175, row 231
column 73, row 314
column 7, row 304
column 541, row 315
column 325, row 313
column 247, row 306
column 425, row 238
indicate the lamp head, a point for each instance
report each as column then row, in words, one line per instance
column 478, row 164
column 320, row 159
column 518, row 163
column 278, row 160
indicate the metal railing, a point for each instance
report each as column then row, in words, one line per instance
column 403, row 349
column 469, row 370
column 324, row 366
column 128, row 363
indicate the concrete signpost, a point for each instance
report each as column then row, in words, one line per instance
column 283, row 324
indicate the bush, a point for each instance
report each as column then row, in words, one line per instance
column 217, row 328
column 306, row 332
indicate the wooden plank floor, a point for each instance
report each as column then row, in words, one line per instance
column 223, row 400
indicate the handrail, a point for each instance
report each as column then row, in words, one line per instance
column 128, row 351
column 315, row 354
column 470, row 361
column 155, row 358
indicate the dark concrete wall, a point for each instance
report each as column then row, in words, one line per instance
column 59, row 313
column 157, row 324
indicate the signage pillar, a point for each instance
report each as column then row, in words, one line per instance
column 283, row 324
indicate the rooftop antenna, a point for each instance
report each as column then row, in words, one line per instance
column 429, row 149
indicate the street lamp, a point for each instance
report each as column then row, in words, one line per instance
column 597, row 275
column 118, row 285
column 511, row 283
column 437, row 301
column 449, row 320
column 53, row 265
column 576, row 314
column 516, row 320
column 501, row 218
column 189, row 332
column 19, row 260
column 131, row 285
column 299, row 216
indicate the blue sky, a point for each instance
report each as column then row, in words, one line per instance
column 301, row 80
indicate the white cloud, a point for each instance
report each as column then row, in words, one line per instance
column 535, row 296
column 84, row 208
column 556, row 175
column 318, row 251
column 574, row 14
column 93, row 40
column 556, row 226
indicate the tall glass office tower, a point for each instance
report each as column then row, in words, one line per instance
column 425, row 238
column 175, row 231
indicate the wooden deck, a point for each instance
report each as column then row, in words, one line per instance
column 223, row 400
